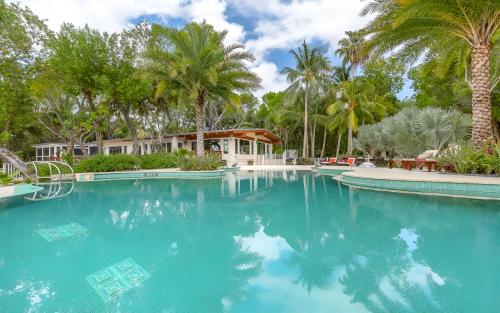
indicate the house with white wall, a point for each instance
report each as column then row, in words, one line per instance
column 236, row 146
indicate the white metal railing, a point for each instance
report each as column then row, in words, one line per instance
column 274, row 159
column 10, row 169
column 57, row 180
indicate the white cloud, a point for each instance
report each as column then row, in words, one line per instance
column 272, row 80
column 278, row 25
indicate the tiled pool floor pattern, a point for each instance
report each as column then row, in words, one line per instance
column 115, row 280
column 63, row 231
column 281, row 242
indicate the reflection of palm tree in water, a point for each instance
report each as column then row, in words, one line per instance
column 210, row 263
column 314, row 260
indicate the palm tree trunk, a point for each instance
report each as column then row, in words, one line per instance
column 324, row 144
column 349, row 140
column 338, row 143
column 313, row 137
column 200, row 124
column 481, row 95
column 304, row 144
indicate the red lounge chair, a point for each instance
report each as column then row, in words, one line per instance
column 330, row 161
column 348, row 161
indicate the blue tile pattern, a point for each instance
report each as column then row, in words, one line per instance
column 113, row 281
column 139, row 174
column 63, row 231
column 491, row 191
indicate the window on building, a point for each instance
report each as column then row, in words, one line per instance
column 261, row 148
column 245, row 147
column 193, row 146
column 225, row 146
column 125, row 149
column 169, row 147
column 115, row 150
column 179, row 145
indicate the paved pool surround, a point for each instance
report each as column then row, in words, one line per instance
column 18, row 190
column 423, row 182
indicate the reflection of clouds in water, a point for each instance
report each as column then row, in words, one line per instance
column 417, row 274
column 414, row 274
column 270, row 248
column 36, row 292
column 281, row 291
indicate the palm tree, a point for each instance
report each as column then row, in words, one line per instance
column 356, row 100
column 353, row 51
column 426, row 27
column 308, row 75
column 195, row 63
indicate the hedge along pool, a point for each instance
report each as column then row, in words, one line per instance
column 275, row 241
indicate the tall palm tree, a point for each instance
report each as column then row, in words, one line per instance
column 195, row 63
column 356, row 101
column 425, row 27
column 310, row 71
column 353, row 50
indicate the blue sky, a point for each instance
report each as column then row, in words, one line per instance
column 268, row 28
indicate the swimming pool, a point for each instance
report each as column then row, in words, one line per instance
column 275, row 241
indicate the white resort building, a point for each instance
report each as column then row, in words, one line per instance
column 240, row 146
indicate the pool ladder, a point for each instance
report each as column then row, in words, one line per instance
column 54, row 185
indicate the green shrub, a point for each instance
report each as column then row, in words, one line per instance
column 108, row 163
column 6, row 180
column 207, row 162
column 467, row 160
column 43, row 169
column 3, row 175
column 158, row 160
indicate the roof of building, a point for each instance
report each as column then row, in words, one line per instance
column 259, row 134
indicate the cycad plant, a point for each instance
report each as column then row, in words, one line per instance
column 196, row 65
column 310, row 72
column 443, row 27
column 413, row 130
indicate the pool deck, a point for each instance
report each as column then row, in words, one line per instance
column 18, row 190
column 420, row 176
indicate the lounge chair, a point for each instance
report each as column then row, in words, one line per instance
column 348, row 161
column 427, row 159
column 330, row 161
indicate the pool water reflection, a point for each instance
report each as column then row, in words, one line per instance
column 253, row 242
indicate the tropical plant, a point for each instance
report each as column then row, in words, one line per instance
column 356, row 101
column 196, row 64
column 310, row 72
column 433, row 27
column 464, row 159
column 353, row 50
column 413, row 130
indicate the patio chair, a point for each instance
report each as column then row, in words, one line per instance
column 427, row 159
column 330, row 161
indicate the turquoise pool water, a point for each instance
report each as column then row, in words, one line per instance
column 248, row 242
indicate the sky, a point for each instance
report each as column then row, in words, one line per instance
column 268, row 28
